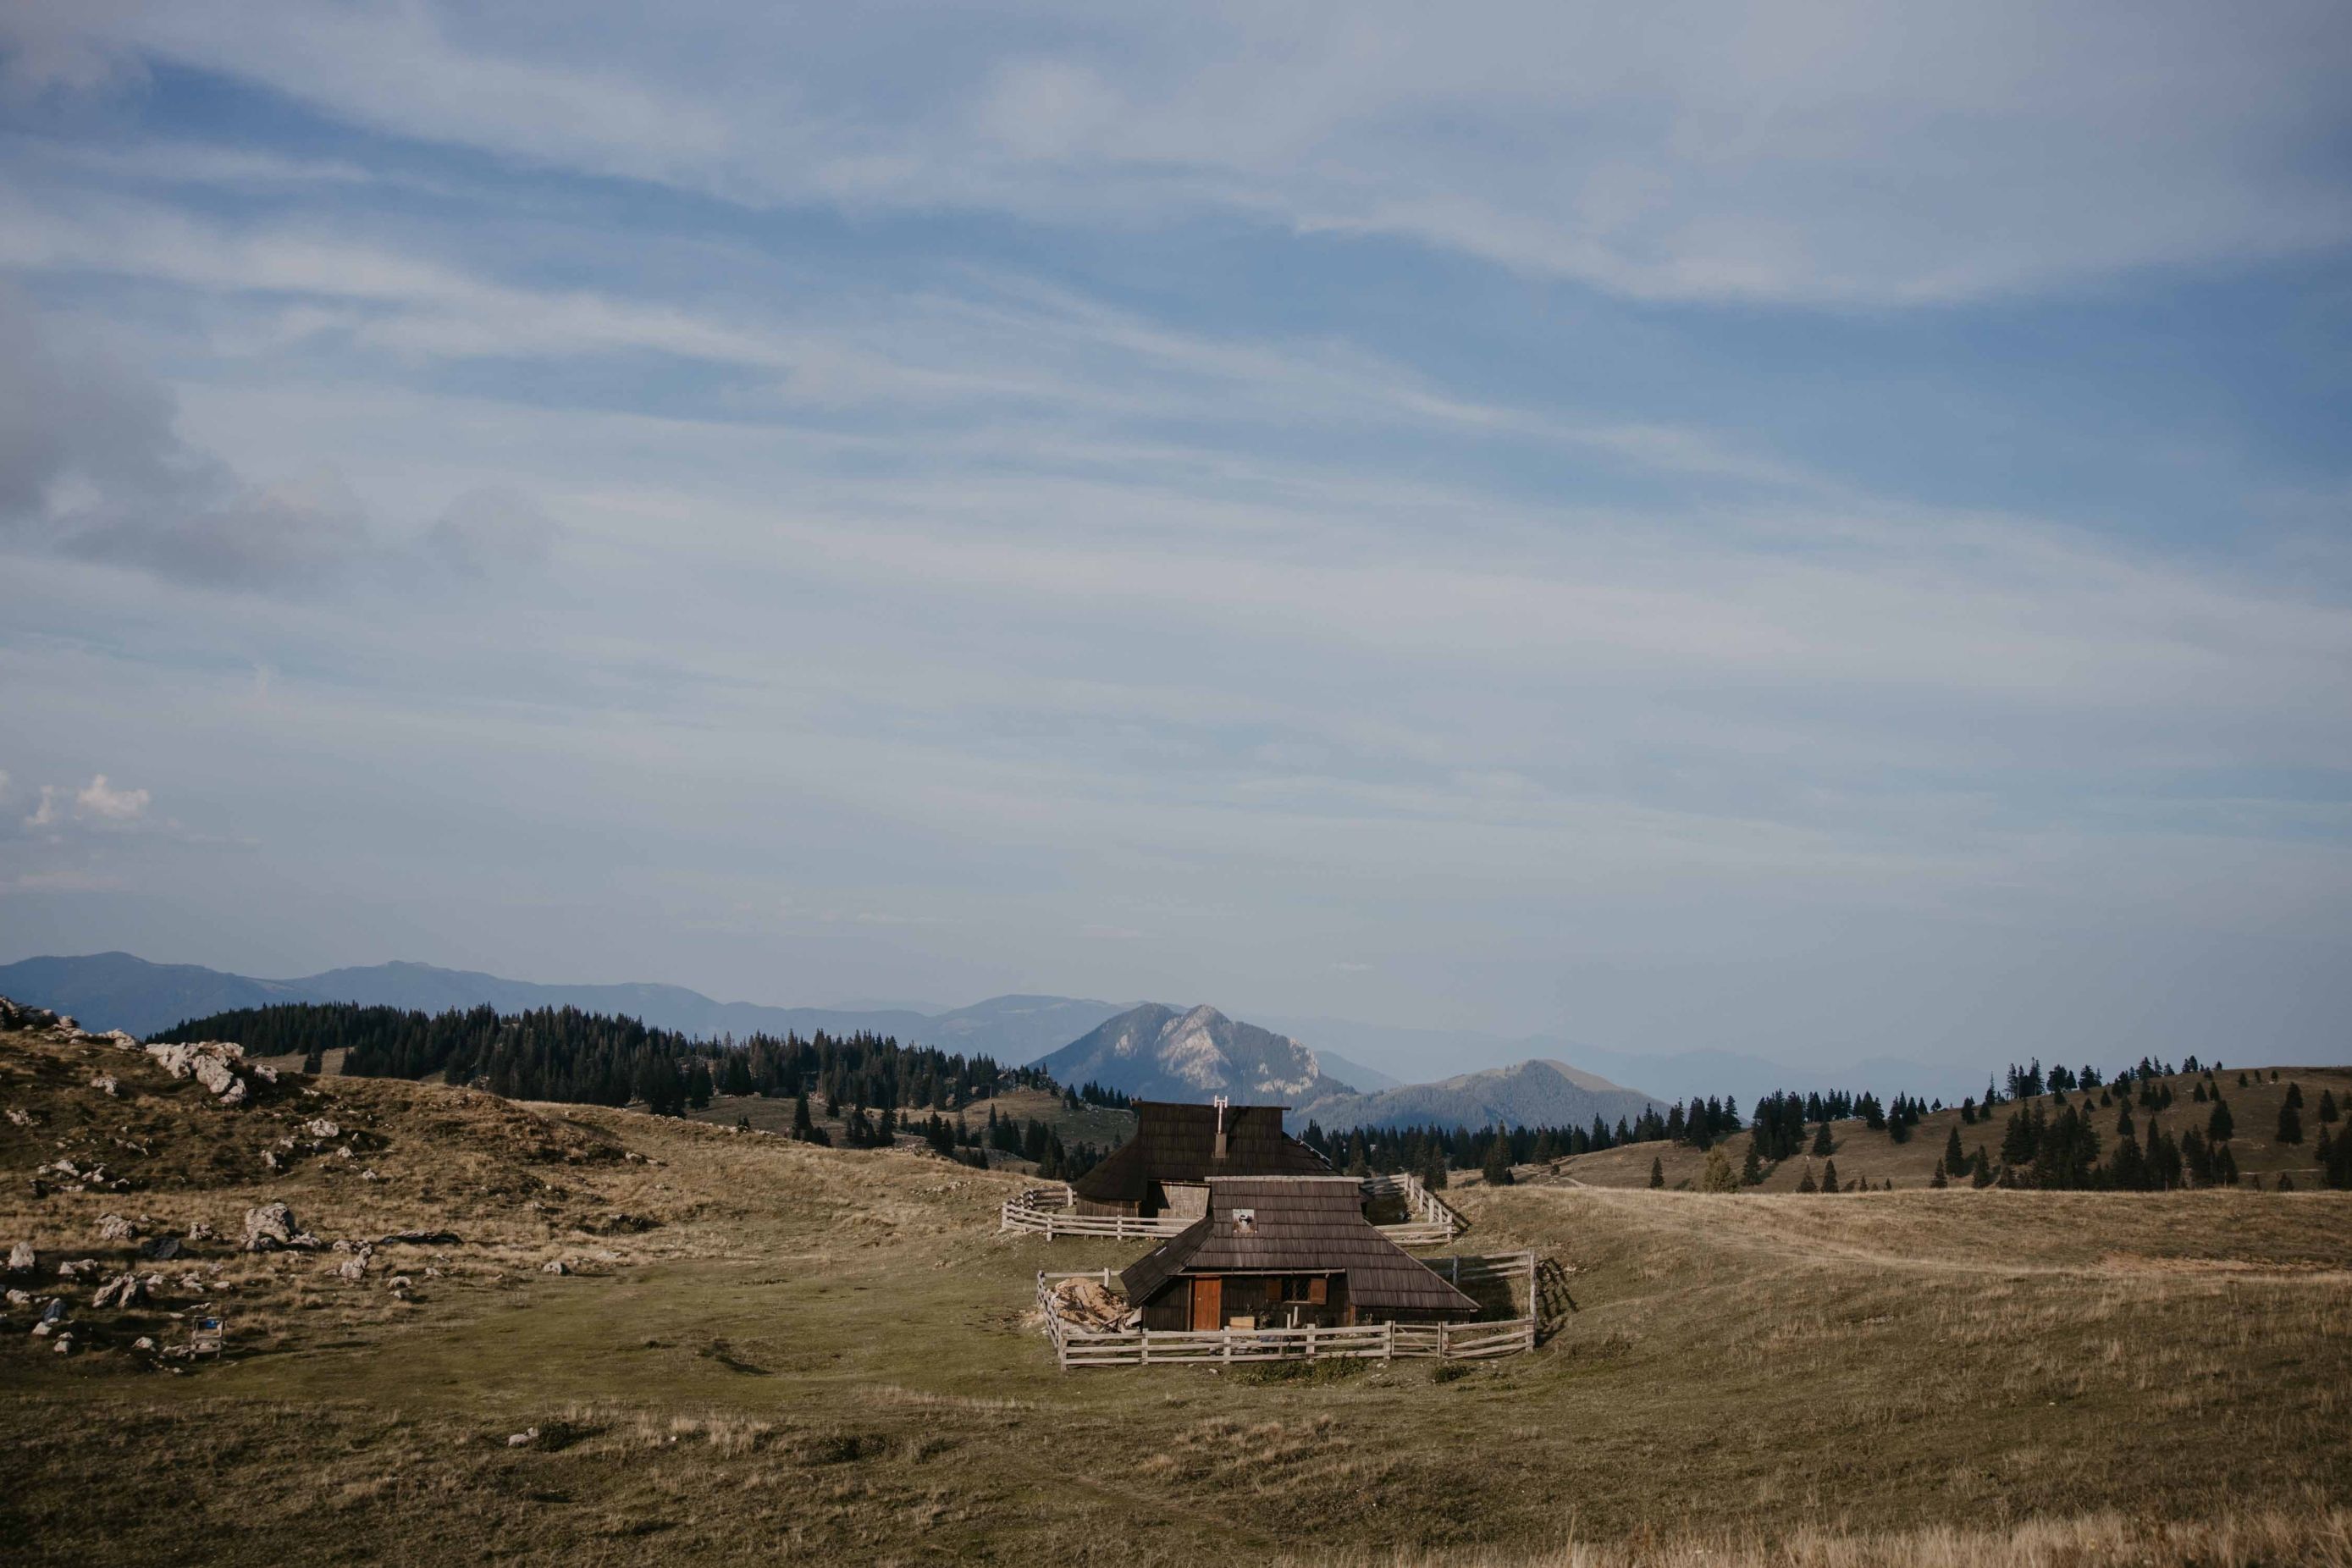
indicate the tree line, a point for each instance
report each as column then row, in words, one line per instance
column 593, row 1058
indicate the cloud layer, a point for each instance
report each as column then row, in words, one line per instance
column 1813, row 529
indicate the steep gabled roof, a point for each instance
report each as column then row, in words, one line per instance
column 1300, row 1225
column 1176, row 1142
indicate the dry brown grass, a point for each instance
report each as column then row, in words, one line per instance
column 771, row 1352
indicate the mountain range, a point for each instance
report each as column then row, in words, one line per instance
column 117, row 990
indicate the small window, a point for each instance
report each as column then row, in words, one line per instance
column 1245, row 1219
column 1315, row 1290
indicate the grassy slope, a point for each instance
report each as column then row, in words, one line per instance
column 1860, row 1153
column 825, row 1350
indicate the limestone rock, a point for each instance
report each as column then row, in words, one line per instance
column 273, row 1226
column 201, row 1230
column 105, row 1084
column 320, row 1127
column 21, row 1259
column 142, row 1343
column 114, row 1227
column 524, row 1439
column 554, row 1266
column 124, row 1291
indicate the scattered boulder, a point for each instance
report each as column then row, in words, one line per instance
column 201, row 1230
column 212, row 1063
column 78, row 1268
column 114, row 1227
column 356, row 1266
column 64, row 1344
column 142, row 1343
column 122, row 1291
column 320, row 1127
column 523, row 1438
column 555, row 1266
column 163, row 1249
column 55, row 1313
column 106, row 1084
column 20, row 1298
column 19, row 1117
column 272, row 1226
column 21, row 1259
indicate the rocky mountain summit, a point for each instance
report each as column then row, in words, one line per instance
column 1157, row 1052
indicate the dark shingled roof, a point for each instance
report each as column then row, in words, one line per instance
column 1302, row 1224
column 1176, row 1142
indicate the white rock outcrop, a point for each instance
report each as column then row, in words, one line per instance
column 273, row 1226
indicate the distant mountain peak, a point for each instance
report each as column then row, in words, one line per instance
column 1158, row 1052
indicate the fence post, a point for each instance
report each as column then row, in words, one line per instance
column 1440, row 1338
column 1147, row 1347
column 1388, row 1340
column 1229, row 1345
column 1310, row 1342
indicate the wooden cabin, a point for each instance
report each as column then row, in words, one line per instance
column 1176, row 1150
column 1285, row 1252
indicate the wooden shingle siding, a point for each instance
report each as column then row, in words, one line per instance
column 1178, row 1143
column 1303, row 1225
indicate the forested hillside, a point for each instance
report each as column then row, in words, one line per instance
column 563, row 1054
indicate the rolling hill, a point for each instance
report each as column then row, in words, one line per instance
column 558, row 1334
column 1531, row 1094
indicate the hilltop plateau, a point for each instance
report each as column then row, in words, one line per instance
column 760, row 1350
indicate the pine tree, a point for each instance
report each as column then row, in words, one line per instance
column 2294, row 1094
column 2290, row 1127
column 1954, row 1159
column 1829, row 1177
column 1822, row 1144
column 1937, row 1179
column 2327, row 1111
column 1751, row 1173
column 1657, row 1171
column 2220, row 1123
column 1497, row 1169
column 1805, row 1184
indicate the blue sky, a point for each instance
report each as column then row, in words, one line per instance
column 1814, row 529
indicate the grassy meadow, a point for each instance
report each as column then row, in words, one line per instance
column 765, row 1351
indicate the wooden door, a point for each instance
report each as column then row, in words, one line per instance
column 1209, row 1302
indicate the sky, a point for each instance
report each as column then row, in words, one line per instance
column 1817, row 530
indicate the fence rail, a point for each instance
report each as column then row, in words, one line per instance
column 1052, row 1211
column 1075, row 1346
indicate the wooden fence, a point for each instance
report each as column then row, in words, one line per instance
column 1052, row 1211
column 1077, row 1346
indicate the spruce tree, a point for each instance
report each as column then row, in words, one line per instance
column 2327, row 1111
column 1497, row 1170
column 1830, row 1177
column 1657, row 1171
column 1751, row 1173
column 1822, row 1144
column 1937, row 1179
column 2290, row 1127
column 1954, row 1159
column 2220, row 1123
column 1805, row 1184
